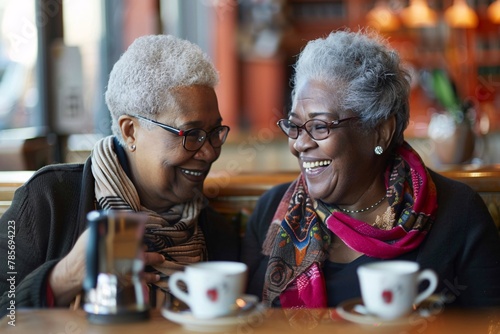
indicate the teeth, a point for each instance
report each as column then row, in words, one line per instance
column 315, row 164
column 190, row 172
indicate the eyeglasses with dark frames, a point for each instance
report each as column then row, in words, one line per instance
column 194, row 139
column 317, row 129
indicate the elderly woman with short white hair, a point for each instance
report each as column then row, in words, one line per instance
column 167, row 133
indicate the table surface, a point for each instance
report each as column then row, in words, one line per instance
column 274, row 321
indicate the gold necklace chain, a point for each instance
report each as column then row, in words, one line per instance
column 365, row 209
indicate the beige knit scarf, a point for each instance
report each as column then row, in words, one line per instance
column 176, row 234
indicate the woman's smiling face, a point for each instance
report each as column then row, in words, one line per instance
column 164, row 172
column 337, row 169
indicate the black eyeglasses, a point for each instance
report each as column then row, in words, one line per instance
column 195, row 138
column 315, row 128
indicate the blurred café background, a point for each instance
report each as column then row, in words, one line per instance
column 55, row 57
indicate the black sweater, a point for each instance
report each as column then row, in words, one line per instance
column 49, row 214
column 463, row 247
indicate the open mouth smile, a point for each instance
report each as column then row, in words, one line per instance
column 312, row 167
column 192, row 172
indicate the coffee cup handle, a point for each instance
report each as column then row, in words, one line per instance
column 174, row 288
column 431, row 276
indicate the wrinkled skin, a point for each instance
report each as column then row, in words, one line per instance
column 354, row 175
column 159, row 167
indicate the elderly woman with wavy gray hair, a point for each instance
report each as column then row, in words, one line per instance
column 363, row 194
column 167, row 133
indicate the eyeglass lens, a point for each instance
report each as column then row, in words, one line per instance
column 194, row 139
column 317, row 129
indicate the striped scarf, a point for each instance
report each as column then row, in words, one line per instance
column 174, row 234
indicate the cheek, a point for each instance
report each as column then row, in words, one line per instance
column 161, row 162
column 170, row 152
column 333, row 149
column 157, row 171
column 346, row 147
column 163, row 176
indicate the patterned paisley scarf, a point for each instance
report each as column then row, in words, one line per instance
column 174, row 234
column 298, row 244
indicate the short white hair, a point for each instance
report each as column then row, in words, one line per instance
column 142, row 80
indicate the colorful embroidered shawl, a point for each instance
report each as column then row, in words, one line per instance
column 297, row 244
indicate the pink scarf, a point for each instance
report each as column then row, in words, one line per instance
column 298, row 240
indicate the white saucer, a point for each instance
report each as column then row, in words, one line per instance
column 190, row 322
column 347, row 311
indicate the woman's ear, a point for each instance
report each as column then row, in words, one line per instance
column 386, row 132
column 128, row 128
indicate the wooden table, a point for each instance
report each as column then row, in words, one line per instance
column 276, row 321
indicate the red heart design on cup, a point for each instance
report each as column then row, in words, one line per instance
column 387, row 296
column 212, row 294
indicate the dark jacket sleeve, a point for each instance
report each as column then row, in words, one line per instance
column 31, row 291
column 255, row 234
column 43, row 212
column 26, row 248
column 463, row 247
column 479, row 260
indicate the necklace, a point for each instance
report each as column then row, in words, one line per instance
column 365, row 209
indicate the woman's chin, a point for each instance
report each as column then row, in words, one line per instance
column 316, row 192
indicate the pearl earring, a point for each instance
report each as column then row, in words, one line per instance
column 379, row 150
column 132, row 148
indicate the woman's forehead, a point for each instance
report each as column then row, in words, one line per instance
column 317, row 95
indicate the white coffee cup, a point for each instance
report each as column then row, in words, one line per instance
column 212, row 287
column 389, row 289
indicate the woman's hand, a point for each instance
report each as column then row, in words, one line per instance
column 66, row 278
column 151, row 259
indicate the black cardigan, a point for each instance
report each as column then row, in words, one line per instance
column 463, row 247
column 49, row 214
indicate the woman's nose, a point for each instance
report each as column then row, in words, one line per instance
column 303, row 141
column 207, row 152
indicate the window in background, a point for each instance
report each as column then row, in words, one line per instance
column 18, row 53
column 77, row 66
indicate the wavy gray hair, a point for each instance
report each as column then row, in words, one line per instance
column 142, row 80
column 373, row 82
